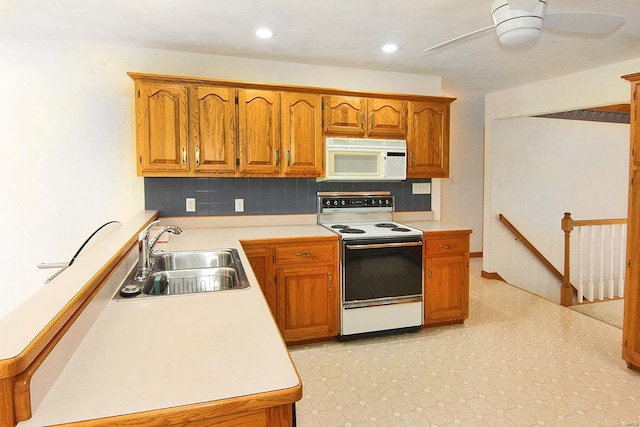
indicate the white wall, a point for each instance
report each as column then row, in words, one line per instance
column 461, row 193
column 541, row 169
column 600, row 86
column 67, row 119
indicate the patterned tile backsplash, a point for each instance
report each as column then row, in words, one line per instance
column 264, row 196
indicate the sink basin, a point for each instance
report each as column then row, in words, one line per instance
column 193, row 259
column 186, row 272
column 175, row 282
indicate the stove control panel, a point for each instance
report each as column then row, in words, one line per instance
column 357, row 202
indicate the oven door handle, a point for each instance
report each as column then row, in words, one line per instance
column 384, row 245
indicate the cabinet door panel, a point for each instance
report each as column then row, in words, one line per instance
column 213, row 129
column 428, row 140
column 162, row 127
column 261, row 260
column 387, row 118
column 259, row 131
column 302, row 134
column 306, row 304
column 344, row 115
column 446, row 288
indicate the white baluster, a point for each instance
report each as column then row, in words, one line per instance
column 600, row 290
column 612, row 236
column 623, row 257
column 590, row 284
column 580, row 286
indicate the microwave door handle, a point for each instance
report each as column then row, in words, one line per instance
column 384, row 245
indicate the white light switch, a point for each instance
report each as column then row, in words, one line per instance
column 239, row 205
column 191, row 205
column 421, row 188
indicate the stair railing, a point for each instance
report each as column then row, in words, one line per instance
column 601, row 259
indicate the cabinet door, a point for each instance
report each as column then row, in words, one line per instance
column 344, row 115
column 162, row 128
column 302, row 134
column 307, row 302
column 428, row 140
column 259, row 131
column 261, row 260
column 387, row 118
column 213, row 129
column 446, row 289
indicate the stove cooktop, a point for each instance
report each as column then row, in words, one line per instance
column 375, row 229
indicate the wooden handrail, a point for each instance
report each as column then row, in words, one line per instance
column 567, row 291
column 530, row 246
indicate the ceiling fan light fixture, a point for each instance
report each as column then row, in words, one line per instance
column 515, row 26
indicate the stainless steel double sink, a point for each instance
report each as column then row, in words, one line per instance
column 185, row 272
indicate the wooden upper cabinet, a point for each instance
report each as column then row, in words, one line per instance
column 365, row 117
column 386, row 118
column 213, row 129
column 162, row 128
column 301, row 133
column 344, row 115
column 259, row 131
column 428, row 140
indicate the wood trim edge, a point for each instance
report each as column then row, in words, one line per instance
column 491, row 276
column 198, row 412
column 475, row 254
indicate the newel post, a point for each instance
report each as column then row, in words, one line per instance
column 566, row 293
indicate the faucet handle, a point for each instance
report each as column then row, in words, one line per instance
column 144, row 234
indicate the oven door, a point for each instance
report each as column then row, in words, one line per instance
column 380, row 272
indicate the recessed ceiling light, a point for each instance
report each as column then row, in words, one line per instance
column 264, row 33
column 389, row 48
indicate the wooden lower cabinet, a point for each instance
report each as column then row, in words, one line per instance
column 446, row 277
column 299, row 278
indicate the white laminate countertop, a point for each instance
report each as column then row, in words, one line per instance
column 153, row 353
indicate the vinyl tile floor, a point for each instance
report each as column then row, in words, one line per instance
column 519, row 360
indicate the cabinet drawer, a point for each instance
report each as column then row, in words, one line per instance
column 296, row 254
column 446, row 245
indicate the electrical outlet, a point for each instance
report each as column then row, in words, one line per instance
column 421, row 188
column 239, row 205
column 191, row 205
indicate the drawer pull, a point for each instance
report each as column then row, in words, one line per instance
column 449, row 246
column 307, row 254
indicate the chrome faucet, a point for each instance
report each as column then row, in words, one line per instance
column 146, row 245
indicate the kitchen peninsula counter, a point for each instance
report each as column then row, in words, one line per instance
column 144, row 357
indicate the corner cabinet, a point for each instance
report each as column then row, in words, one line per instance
column 428, row 140
column 631, row 323
column 299, row 279
column 446, row 277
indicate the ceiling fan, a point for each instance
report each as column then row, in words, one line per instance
column 521, row 21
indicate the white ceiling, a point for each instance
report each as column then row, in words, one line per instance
column 347, row 33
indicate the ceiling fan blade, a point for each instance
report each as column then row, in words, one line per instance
column 583, row 22
column 522, row 4
column 457, row 39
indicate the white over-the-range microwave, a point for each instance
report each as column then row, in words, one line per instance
column 359, row 159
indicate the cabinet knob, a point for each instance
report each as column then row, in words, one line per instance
column 362, row 119
column 184, row 155
column 330, row 281
column 371, row 116
column 449, row 246
column 275, row 157
column 197, row 155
